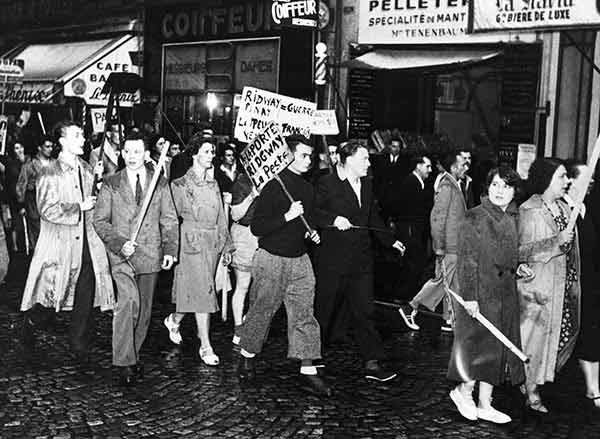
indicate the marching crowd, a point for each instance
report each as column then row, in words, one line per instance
column 501, row 243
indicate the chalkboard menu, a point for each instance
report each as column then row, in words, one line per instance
column 361, row 91
column 520, row 79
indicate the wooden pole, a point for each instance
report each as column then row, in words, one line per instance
column 287, row 193
column 150, row 192
column 584, row 185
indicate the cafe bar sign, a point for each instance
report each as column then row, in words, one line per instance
column 295, row 13
column 493, row 15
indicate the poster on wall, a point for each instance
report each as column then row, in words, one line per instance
column 88, row 83
column 526, row 154
column 418, row 22
column 494, row 15
column 259, row 108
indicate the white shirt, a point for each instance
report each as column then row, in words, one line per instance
column 420, row 179
column 132, row 175
column 393, row 158
column 230, row 172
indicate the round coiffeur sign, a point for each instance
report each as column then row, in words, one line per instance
column 88, row 83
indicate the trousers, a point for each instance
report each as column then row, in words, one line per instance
column 131, row 316
column 279, row 280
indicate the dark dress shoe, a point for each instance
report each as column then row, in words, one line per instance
column 315, row 385
column 127, row 376
column 139, row 371
column 28, row 334
column 246, row 368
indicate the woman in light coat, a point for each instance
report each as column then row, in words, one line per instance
column 204, row 239
column 549, row 302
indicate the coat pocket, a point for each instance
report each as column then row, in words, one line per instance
column 193, row 242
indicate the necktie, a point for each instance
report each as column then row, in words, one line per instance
column 80, row 182
column 138, row 190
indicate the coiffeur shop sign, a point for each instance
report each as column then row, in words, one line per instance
column 88, row 83
column 188, row 24
column 416, row 22
column 528, row 14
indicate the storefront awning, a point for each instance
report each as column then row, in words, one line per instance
column 390, row 59
column 48, row 66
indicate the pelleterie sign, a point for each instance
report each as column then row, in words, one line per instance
column 492, row 15
column 417, row 22
column 259, row 108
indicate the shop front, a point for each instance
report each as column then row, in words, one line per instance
column 199, row 56
column 416, row 72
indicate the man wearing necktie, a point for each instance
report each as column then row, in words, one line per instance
column 69, row 269
column 135, row 265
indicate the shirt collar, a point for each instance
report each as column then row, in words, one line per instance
column 72, row 163
column 415, row 173
column 343, row 175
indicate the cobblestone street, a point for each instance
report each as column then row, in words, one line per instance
column 46, row 396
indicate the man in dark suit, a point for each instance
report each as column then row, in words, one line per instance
column 389, row 169
column 346, row 210
column 411, row 220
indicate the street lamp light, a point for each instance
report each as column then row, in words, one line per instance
column 211, row 103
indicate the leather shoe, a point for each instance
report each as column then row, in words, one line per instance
column 127, row 376
column 246, row 368
column 315, row 385
column 139, row 371
column 28, row 333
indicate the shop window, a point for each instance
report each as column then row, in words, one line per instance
column 201, row 80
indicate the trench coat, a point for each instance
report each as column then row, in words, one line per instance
column 486, row 270
column 56, row 261
column 204, row 237
column 542, row 298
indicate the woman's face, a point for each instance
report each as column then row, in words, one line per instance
column 559, row 183
column 19, row 151
column 500, row 193
column 205, row 155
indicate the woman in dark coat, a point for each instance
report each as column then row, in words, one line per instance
column 487, row 266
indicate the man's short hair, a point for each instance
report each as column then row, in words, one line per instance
column 134, row 136
column 348, row 149
column 417, row 160
column 295, row 139
column 572, row 166
column 59, row 129
column 45, row 138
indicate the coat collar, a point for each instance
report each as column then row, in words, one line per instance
column 193, row 177
column 536, row 202
column 497, row 213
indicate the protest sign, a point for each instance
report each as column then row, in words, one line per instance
column 259, row 108
column 3, row 133
column 266, row 156
column 526, row 154
column 98, row 119
column 325, row 123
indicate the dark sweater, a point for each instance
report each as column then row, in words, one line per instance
column 275, row 235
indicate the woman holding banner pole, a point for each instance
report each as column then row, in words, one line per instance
column 204, row 239
column 487, row 266
column 549, row 303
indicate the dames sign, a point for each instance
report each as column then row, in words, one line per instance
column 491, row 15
column 259, row 108
column 266, row 156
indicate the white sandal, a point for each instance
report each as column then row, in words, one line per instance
column 173, row 328
column 208, row 356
